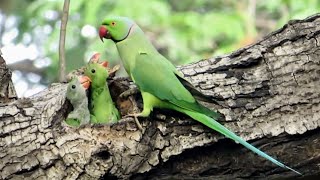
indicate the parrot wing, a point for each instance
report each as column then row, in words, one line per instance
column 164, row 84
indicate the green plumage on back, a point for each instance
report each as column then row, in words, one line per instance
column 170, row 91
column 102, row 106
column 159, row 82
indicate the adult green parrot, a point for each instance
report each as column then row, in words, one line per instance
column 161, row 85
column 101, row 106
column 76, row 94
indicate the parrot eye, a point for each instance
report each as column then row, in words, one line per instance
column 113, row 23
column 73, row 86
column 93, row 70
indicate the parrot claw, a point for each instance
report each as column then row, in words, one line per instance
column 135, row 116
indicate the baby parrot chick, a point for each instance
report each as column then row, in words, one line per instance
column 101, row 106
column 76, row 94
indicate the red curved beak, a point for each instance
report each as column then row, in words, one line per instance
column 103, row 32
column 85, row 81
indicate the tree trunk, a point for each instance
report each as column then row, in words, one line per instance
column 268, row 93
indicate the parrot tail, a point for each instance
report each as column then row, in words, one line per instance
column 213, row 124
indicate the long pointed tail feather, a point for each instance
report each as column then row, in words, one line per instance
column 213, row 124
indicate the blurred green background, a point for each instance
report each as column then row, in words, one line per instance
column 184, row 31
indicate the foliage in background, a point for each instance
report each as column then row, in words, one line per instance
column 183, row 31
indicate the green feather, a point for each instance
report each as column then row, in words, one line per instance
column 158, row 80
column 223, row 130
column 72, row 122
column 172, row 90
column 102, row 107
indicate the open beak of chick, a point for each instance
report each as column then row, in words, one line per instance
column 85, row 81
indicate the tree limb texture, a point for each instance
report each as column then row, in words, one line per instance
column 268, row 93
column 63, row 29
column 7, row 91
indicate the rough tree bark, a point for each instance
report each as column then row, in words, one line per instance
column 268, row 93
column 7, row 91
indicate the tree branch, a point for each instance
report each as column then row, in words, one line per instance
column 268, row 93
column 7, row 91
column 28, row 66
column 63, row 27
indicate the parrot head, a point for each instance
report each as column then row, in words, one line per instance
column 97, row 73
column 115, row 28
column 76, row 86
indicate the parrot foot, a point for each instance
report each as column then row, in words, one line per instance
column 135, row 116
column 129, row 92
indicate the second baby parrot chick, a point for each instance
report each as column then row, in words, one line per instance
column 102, row 106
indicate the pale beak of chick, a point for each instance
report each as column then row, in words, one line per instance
column 85, row 81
